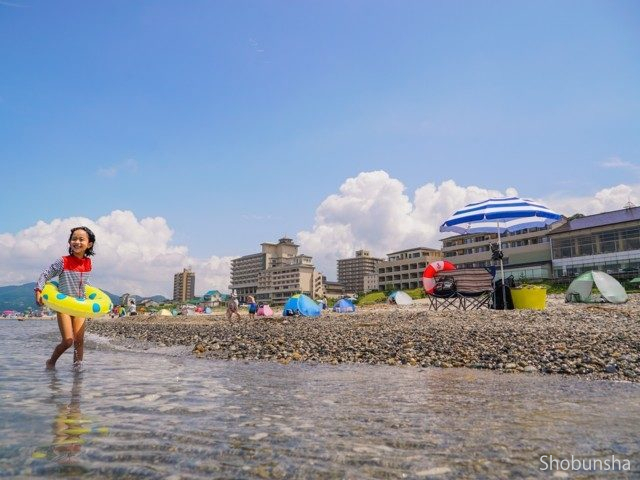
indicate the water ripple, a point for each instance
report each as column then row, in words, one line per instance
column 141, row 414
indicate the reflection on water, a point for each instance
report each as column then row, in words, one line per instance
column 172, row 415
column 69, row 426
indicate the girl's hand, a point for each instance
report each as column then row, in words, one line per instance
column 38, row 295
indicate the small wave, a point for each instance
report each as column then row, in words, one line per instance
column 131, row 345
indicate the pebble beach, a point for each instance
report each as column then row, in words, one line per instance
column 596, row 341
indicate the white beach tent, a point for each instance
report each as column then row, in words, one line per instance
column 165, row 313
column 610, row 289
column 400, row 298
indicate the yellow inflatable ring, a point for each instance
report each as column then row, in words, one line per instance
column 95, row 304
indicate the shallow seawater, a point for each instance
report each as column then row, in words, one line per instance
column 162, row 413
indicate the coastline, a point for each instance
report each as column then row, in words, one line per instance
column 596, row 341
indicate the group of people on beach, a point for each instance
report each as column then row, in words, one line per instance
column 233, row 306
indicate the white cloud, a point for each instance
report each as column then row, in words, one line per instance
column 372, row 211
column 605, row 200
column 127, row 166
column 615, row 162
column 132, row 255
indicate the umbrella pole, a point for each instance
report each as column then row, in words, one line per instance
column 504, row 290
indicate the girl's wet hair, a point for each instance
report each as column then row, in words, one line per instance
column 92, row 239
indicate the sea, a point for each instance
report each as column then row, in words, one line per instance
column 160, row 413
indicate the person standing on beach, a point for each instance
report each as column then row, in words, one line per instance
column 73, row 274
column 253, row 307
column 232, row 306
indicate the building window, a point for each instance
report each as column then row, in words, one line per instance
column 608, row 242
column 630, row 239
column 562, row 248
column 586, row 245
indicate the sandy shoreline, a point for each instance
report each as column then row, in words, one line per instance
column 599, row 341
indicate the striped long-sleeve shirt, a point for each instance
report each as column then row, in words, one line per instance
column 73, row 273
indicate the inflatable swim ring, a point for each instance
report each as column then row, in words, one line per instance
column 95, row 304
column 429, row 274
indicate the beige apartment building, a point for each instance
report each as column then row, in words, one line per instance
column 527, row 253
column 353, row 271
column 184, row 285
column 333, row 289
column 275, row 274
column 403, row 270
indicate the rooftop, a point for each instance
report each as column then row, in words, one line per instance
column 414, row 250
column 600, row 220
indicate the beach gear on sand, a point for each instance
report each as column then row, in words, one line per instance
column 344, row 306
column 400, row 298
column 300, row 304
column 95, row 304
column 610, row 289
column 499, row 215
column 432, row 270
column 264, row 311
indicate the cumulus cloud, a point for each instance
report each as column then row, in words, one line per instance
column 374, row 212
column 371, row 211
column 132, row 255
column 604, row 200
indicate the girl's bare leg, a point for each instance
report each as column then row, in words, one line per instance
column 78, row 338
column 66, row 331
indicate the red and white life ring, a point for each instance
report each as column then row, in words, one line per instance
column 432, row 270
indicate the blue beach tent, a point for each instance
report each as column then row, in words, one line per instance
column 300, row 304
column 344, row 306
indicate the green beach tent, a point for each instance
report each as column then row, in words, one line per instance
column 610, row 289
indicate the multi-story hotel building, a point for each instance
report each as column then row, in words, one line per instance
column 403, row 270
column 184, row 285
column 352, row 271
column 607, row 241
column 527, row 252
column 275, row 274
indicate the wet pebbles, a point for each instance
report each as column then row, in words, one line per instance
column 593, row 340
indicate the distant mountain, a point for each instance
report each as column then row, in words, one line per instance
column 20, row 297
column 17, row 297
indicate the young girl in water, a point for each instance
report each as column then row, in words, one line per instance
column 73, row 272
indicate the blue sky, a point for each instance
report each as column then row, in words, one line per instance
column 197, row 122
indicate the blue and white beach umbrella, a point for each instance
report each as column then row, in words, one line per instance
column 499, row 215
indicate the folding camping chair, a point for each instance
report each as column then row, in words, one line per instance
column 473, row 289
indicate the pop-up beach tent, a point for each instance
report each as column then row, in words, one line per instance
column 165, row 313
column 300, row 304
column 400, row 298
column 264, row 311
column 609, row 288
column 344, row 306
